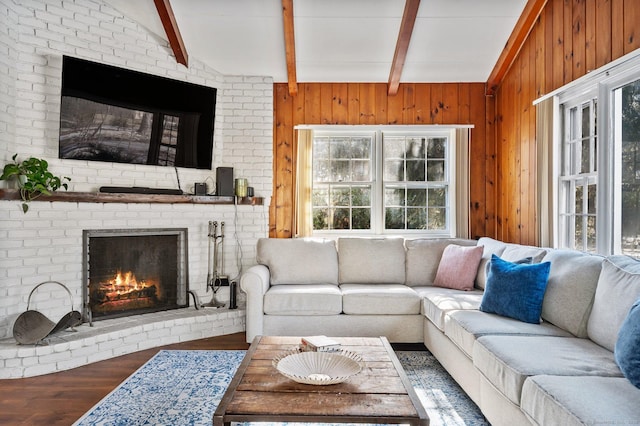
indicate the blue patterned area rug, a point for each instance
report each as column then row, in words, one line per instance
column 181, row 387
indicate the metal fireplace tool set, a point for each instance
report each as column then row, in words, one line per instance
column 216, row 277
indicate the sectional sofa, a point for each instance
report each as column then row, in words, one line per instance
column 465, row 299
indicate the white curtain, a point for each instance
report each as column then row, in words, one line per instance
column 462, row 183
column 545, row 179
column 303, row 226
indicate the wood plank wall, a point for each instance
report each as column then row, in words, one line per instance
column 368, row 103
column 570, row 38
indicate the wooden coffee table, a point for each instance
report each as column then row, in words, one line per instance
column 380, row 393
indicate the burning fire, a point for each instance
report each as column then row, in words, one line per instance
column 124, row 283
column 124, row 291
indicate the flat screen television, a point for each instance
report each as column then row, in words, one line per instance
column 113, row 114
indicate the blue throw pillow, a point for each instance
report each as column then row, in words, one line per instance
column 515, row 290
column 627, row 349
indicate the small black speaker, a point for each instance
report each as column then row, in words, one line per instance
column 200, row 188
column 224, row 181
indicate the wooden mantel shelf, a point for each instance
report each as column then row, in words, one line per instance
column 104, row 197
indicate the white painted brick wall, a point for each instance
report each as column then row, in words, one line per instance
column 8, row 59
column 46, row 243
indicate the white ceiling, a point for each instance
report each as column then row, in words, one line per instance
column 340, row 40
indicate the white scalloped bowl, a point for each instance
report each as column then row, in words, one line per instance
column 318, row 368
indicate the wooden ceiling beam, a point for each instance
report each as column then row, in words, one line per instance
column 402, row 45
column 290, row 46
column 527, row 20
column 173, row 32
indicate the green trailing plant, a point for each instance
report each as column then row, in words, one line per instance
column 33, row 177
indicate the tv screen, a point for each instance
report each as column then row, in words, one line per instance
column 118, row 115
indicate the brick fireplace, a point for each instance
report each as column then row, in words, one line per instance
column 46, row 244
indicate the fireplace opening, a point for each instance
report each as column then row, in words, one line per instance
column 134, row 271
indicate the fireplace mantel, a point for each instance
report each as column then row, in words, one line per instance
column 100, row 197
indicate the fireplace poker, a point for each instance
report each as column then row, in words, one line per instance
column 214, row 273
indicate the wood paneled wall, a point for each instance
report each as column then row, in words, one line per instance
column 570, row 38
column 368, row 103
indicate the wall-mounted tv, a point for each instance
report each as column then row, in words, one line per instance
column 113, row 114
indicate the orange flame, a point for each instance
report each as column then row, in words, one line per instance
column 123, row 283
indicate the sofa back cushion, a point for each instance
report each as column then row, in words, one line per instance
column 371, row 260
column 571, row 288
column 618, row 288
column 491, row 246
column 423, row 258
column 516, row 252
column 299, row 261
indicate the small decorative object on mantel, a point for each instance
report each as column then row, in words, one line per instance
column 318, row 368
column 33, row 177
column 241, row 187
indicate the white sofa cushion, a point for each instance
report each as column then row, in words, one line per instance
column 516, row 252
column 572, row 401
column 437, row 302
column 299, row 261
column 303, row 299
column 423, row 257
column 507, row 361
column 465, row 327
column 570, row 289
column 379, row 299
column 618, row 288
column 491, row 246
column 371, row 260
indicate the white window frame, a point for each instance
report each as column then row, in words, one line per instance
column 600, row 85
column 612, row 162
column 449, row 182
column 567, row 216
column 377, row 201
column 374, row 167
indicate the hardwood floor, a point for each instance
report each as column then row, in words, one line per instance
column 61, row 398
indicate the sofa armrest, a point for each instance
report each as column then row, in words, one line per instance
column 255, row 283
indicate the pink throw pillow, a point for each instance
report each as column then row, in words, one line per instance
column 458, row 267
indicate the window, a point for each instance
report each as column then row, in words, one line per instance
column 383, row 181
column 342, row 182
column 598, row 161
column 578, row 178
column 415, row 183
column 626, row 107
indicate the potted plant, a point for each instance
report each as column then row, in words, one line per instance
column 33, row 177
